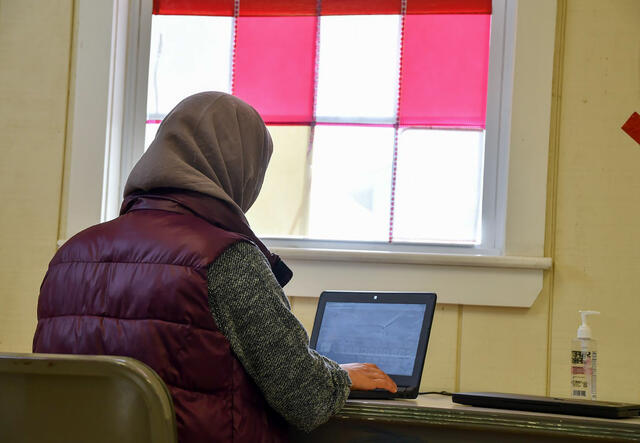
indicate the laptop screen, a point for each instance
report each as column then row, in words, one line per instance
column 389, row 329
column 386, row 334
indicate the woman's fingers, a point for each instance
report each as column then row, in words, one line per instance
column 382, row 378
column 367, row 376
column 387, row 383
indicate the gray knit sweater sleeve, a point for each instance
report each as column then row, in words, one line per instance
column 253, row 313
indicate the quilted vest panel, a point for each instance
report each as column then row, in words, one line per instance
column 137, row 286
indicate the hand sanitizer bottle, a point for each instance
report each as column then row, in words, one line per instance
column 584, row 355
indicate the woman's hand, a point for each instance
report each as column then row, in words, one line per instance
column 367, row 376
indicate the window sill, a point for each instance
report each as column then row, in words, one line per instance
column 511, row 281
column 411, row 258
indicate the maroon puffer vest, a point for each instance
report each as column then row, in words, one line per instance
column 137, row 287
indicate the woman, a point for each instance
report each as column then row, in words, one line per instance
column 180, row 282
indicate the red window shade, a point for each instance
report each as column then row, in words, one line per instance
column 268, row 8
column 360, row 7
column 449, row 7
column 264, row 8
column 274, row 66
column 445, row 70
column 193, row 7
column 444, row 67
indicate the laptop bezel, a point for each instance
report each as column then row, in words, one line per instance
column 424, row 298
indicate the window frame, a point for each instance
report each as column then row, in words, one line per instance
column 512, row 274
column 496, row 139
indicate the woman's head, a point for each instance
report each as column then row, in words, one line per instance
column 212, row 143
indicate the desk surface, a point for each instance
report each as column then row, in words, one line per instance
column 440, row 410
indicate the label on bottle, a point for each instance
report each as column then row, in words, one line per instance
column 583, row 374
column 592, row 367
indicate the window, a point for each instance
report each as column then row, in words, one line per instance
column 378, row 113
column 108, row 110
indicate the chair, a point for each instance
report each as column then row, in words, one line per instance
column 82, row 398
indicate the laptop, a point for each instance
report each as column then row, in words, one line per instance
column 389, row 329
column 569, row 406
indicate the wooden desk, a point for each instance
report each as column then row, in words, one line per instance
column 435, row 418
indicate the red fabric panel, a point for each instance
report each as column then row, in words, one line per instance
column 360, row 7
column 448, row 6
column 193, row 7
column 274, row 8
column 267, row 8
column 274, row 66
column 445, row 70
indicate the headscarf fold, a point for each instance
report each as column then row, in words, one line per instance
column 212, row 143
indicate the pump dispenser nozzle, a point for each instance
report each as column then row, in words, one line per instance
column 584, row 331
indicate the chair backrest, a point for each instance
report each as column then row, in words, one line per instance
column 82, row 398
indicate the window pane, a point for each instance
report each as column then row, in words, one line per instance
column 445, row 70
column 358, row 68
column 351, row 183
column 439, row 186
column 150, row 130
column 280, row 208
column 274, row 66
column 188, row 54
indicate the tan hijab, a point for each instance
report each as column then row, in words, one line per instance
column 212, row 143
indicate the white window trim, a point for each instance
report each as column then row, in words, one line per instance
column 509, row 274
column 497, row 131
column 105, row 123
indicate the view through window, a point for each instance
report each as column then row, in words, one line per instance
column 378, row 116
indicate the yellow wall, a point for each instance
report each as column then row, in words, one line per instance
column 35, row 41
column 593, row 205
column 597, row 229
